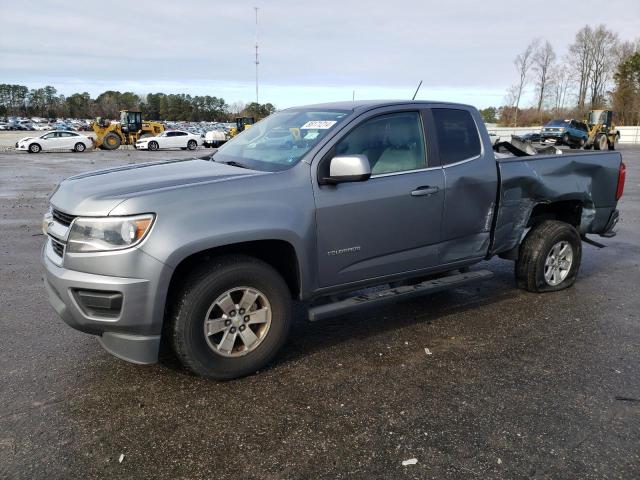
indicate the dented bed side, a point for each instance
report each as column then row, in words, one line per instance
column 589, row 179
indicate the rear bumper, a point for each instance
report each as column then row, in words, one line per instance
column 612, row 224
column 131, row 333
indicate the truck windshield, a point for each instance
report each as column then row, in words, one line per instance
column 557, row 123
column 279, row 141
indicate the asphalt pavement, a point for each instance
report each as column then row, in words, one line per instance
column 511, row 384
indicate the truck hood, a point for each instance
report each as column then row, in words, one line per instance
column 98, row 193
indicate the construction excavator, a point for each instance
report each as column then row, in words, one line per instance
column 602, row 132
column 110, row 135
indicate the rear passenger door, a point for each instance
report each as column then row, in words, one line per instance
column 471, row 180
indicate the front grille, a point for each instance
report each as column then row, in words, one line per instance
column 63, row 218
column 57, row 247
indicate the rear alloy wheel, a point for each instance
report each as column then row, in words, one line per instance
column 80, row 147
column 153, row 146
column 192, row 144
column 230, row 318
column 34, row 148
column 549, row 257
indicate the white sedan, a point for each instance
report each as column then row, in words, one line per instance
column 170, row 139
column 55, row 141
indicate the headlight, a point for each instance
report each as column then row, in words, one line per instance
column 108, row 233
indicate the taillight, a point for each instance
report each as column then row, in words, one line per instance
column 622, row 173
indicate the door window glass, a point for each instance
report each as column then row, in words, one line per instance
column 391, row 143
column 457, row 135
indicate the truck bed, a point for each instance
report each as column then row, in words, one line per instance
column 588, row 179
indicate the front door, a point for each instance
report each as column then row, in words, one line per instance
column 390, row 223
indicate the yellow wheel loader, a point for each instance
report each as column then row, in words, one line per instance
column 242, row 123
column 602, row 132
column 131, row 128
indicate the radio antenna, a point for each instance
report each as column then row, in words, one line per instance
column 257, row 62
column 414, row 95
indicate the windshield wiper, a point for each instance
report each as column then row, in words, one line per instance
column 233, row 163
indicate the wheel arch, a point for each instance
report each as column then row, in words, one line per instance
column 568, row 210
column 278, row 253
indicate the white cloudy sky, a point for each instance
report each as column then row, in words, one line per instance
column 310, row 51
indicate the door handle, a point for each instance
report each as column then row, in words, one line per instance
column 426, row 190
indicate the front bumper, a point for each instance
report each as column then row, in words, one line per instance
column 141, row 146
column 132, row 334
column 551, row 135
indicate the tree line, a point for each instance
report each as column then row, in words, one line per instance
column 19, row 100
column 599, row 71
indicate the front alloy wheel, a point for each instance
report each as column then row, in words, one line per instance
column 230, row 317
column 237, row 321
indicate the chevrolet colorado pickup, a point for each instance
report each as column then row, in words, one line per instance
column 318, row 204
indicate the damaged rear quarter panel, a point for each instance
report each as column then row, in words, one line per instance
column 525, row 182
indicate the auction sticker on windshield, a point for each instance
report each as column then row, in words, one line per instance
column 318, row 124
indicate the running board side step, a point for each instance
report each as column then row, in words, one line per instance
column 375, row 299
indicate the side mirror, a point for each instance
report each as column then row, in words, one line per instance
column 348, row 168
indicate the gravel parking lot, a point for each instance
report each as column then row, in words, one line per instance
column 516, row 385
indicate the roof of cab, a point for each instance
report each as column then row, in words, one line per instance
column 369, row 104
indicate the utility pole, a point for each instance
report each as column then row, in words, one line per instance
column 257, row 62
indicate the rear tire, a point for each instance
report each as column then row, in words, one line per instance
column 537, row 261
column 199, row 300
column 80, row 147
column 111, row 141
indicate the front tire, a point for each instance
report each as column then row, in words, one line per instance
column 153, row 146
column 565, row 139
column 111, row 141
column 549, row 257
column 192, row 145
column 80, row 147
column 230, row 318
column 35, row 148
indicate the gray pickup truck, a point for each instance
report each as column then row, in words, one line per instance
column 340, row 205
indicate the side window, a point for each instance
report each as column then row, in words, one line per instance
column 391, row 143
column 180, row 134
column 49, row 135
column 457, row 135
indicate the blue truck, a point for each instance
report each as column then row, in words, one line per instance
column 566, row 132
column 341, row 206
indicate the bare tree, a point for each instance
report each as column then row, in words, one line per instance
column 543, row 59
column 559, row 79
column 604, row 47
column 237, row 107
column 523, row 64
column 581, row 60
